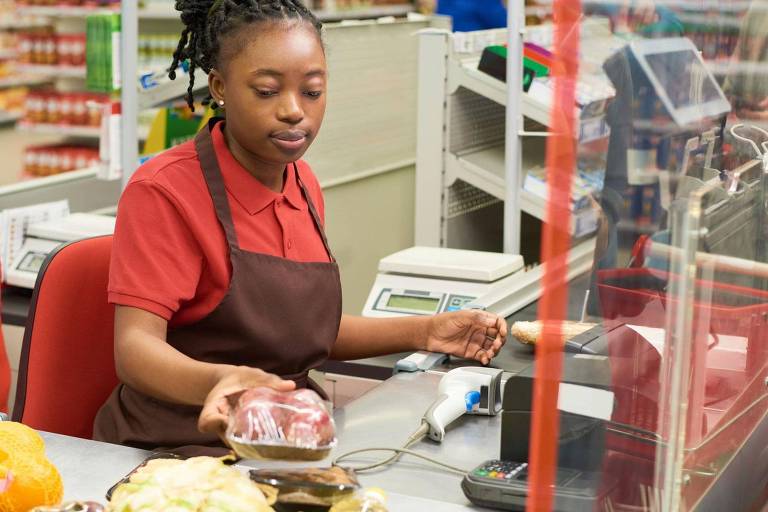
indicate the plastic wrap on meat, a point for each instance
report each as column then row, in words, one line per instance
column 264, row 417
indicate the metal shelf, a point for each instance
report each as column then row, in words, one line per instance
column 89, row 132
column 468, row 76
column 159, row 12
column 20, row 81
column 15, row 24
column 53, row 71
column 365, row 12
column 167, row 12
column 9, row 117
column 167, row 89
column 62, row 12
column 484, row 169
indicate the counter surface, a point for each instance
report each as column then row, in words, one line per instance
column 384, row 417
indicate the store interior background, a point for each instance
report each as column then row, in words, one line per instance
column 365, row 157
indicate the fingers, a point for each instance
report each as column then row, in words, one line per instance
column 214, row 416
column 490, row 336
column 483, row 318
column 255, row 378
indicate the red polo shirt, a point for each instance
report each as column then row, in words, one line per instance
column 170, row 256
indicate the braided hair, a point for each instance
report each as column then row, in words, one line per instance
column 207, row 22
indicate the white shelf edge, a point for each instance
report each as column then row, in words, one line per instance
column 165, row 12
column 468, row 76
column 169, row 13
column 8, row 53
column 364, row 12
column 9, row 117
column 62, row 12
column 80, row 174
column 59, row 129
column 22, row 25
column 171, row 89
column 21, row 81
column 491, row 181
column 53, row 71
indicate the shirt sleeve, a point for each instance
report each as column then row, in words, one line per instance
column 156, row 262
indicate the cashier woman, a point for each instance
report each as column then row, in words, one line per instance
column 221, row 272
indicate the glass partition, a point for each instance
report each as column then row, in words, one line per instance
column 654, row 398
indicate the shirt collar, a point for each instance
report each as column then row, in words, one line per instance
column 252, row 195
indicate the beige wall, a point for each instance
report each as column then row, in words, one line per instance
column 366, row 220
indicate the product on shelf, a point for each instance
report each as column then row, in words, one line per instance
column 156, row 50
column 13, row 99
column 72, row 109
column 49, row 160
column 45, row 47
column 102, row 71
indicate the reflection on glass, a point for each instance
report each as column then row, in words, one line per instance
column 679, row 285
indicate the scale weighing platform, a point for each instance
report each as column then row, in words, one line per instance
column 431, row 280
column 44, row 237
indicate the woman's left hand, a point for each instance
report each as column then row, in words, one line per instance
column 470, row 333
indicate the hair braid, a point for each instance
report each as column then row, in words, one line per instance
column 208, row 22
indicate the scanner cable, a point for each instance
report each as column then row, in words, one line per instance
column 414, row 438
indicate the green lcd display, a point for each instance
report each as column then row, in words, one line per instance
column 426, row 304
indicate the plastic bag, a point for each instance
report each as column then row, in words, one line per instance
column 309, row 486
column 268, row 424
column 368, row 500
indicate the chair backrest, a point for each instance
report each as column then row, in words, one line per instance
column 67, row 367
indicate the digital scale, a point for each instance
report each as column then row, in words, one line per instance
column 43, row 237
column 431, row 280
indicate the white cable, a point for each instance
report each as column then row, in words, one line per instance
column 400, row 452
column 414, row 438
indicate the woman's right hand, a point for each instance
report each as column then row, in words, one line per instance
column 235, row 379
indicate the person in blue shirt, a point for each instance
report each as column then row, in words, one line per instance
column 471, row 15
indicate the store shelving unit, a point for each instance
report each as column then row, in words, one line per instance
column 462, row 178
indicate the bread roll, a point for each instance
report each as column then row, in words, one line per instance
column 528, row 333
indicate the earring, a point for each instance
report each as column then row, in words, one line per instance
column 221, row 103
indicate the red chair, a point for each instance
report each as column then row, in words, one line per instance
column 67, row 367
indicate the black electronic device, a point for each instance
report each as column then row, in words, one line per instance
column 581, row 443
column 504, row 485
column 593, row 341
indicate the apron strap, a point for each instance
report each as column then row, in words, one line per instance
column 313, row 211
column 213, row 178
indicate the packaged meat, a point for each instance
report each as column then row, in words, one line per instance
column 268, row 424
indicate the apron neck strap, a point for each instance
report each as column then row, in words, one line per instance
column 213, row 178
column 313, row 211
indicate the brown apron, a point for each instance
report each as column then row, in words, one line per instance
column 278, row 315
